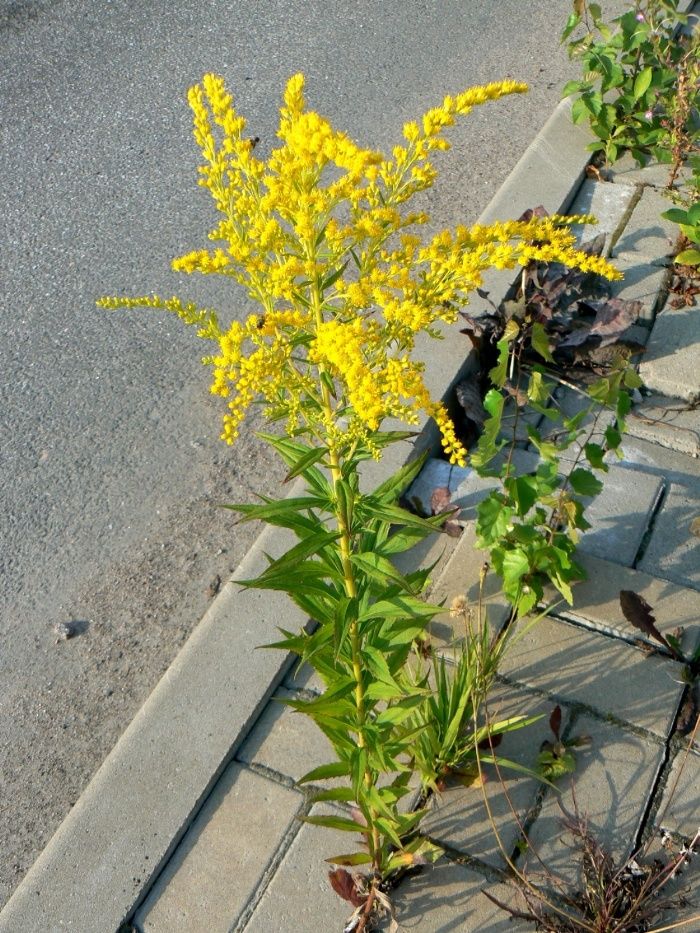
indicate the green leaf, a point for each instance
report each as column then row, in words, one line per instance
column 493, row 519
column 378, row 667
column 355, row 858
column 379, row 568
column 333, row 277
column 305, row 461
column 338, row 794
column 571, row 24
column 371, row 507
column 675, row 215
column 309, row 574
column 642, row 82
column 579, row 111
column 613, row 439
column 688, row 257
column 537, row 389
column 324, row 772
column 399, row 607
column 694, row 214
column 489, row 445
column 345, row 615
column 391, row 488
column 584, row 483
column 524, row 491
column 515, row 565
column 540, row 342
column 499, row 373
column 334, row 822
column 296, row 555
column 594, row 455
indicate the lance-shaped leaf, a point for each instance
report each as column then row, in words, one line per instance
column 638, row 613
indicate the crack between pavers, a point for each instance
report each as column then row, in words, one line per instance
column 625, row 219
column 578, row 708
column 633, row 641
column 270, row 870
column 662, row 778
column 646, row 537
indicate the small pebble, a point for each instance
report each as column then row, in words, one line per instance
column 64, row 630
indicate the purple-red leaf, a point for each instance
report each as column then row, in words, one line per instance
column 531, row 212
column 638, row 613
column 344, row 886
column 555, row 721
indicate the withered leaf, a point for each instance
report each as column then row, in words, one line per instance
column 344, row 886
column 452, row 529
column 695, row 526
column 614, row 316
column 441, row 501
column 555, row 720
column 469, row 397
column 638, row 613
column 531, row 212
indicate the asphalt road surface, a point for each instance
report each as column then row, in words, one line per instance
column 110, row 463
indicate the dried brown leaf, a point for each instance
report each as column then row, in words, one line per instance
column 345, row 886
column 469, row 397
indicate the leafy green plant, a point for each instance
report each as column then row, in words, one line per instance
column 318, row 234
column 531, row 523
column 449, row 730
column 558, row 758
column 689, row 223
column 633, row 69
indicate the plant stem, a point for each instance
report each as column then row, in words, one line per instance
column 345, row 542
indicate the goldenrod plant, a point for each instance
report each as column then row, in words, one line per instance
column 320, row 234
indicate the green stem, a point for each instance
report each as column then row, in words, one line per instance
column 345, row 543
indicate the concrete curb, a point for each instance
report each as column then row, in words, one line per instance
column 104, row 857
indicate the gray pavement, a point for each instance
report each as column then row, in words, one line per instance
column 110, row 464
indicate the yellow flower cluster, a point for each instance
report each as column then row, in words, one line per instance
column 318, row 235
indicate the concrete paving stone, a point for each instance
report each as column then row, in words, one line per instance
column 643, row 281
column 222, row 858
column 647, row 234
column 578, row 665
column 673, row 550
column 448, row 896
column 668, row 422
column 299, row 895
column 459, row 817
column 620, row 515
column 679, row 810
column 613, row 781
column 670, row 365
column 608, row 203
column 597, row 601
column 645, row 456
column 656, row 174
column 460, row 577
column 286, row 741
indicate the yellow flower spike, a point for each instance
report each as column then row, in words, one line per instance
column 317, row 235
